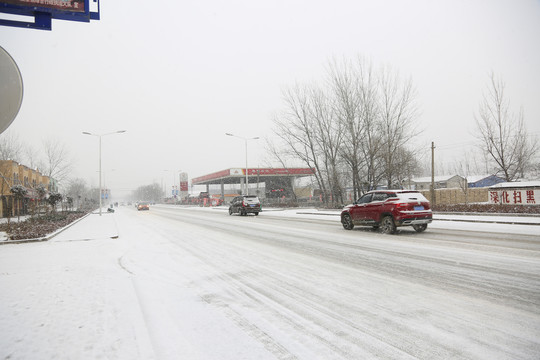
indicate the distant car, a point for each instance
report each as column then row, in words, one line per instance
column 143, row 206
column 388, row 209
column 245, row 204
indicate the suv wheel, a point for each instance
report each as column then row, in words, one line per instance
column 420, row 227
column 230, row 211
column 387, row 225
column 346, row 221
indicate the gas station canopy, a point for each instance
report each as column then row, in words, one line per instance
column 234, row 176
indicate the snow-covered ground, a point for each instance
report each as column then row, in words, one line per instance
column 196, row 283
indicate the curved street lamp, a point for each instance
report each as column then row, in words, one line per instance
column 245, row 140
column 100, row 136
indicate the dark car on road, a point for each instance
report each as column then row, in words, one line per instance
column 245, row 204
column 388, row 209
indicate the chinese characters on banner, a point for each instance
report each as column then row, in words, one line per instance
column 514, row 197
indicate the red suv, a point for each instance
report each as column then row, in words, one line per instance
column 387, row 209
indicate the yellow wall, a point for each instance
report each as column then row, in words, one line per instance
column 457, row 196
column 10, row 167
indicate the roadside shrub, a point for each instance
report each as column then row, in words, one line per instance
column 39, row 227
column 488, row 208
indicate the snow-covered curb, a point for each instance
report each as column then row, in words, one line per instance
column 487, row 218
column 45, row 238
column 502, row 220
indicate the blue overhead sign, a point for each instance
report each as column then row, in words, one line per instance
column 43, row 11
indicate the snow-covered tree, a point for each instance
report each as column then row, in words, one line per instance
column 53, row 199
column 19, row 192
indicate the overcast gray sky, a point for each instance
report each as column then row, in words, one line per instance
column 178, row 75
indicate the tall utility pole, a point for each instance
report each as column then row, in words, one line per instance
column 432, row 187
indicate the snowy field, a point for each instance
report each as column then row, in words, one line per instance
column 196, row 283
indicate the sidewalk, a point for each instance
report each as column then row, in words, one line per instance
column 110, row 287
column 93, row 227
column 90, row 227
column 68, row 298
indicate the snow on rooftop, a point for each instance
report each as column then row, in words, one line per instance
column 438, row 178
column 475, row 178
column 520, row 184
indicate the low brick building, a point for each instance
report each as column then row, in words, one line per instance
column 12, row 173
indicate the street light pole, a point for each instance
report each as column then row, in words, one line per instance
column 247, row 177
column 100, row 136
column 245, row 140
column 100, row 176
column 173, row 182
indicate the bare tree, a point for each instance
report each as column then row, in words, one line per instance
column 354, row 88
column 32, row 158
column 465, row 168
column 378, row 111
column 77, row 190
column 409, row 166
column 398, row 112
column 502, row 133
column 10, row 147
column 278, row 155
column 295, row 126
column 311, row 133
column 357, row 129
column 152, row 192
column 329, row 137
column 57, row 162
column 535, row 170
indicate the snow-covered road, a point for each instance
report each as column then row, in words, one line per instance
column 200, row 284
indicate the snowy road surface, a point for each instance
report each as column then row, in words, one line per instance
column 173, row 283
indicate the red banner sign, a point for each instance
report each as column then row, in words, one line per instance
column 514, row 197
column 184, row 186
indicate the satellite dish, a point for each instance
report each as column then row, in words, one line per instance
column 11, row 90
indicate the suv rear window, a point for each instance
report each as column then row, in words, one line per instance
column 251, row 199
column 416, row 196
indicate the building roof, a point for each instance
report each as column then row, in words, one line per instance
column 476, row 178
column 512, row 185
column 438, row 178
column 233, row 176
